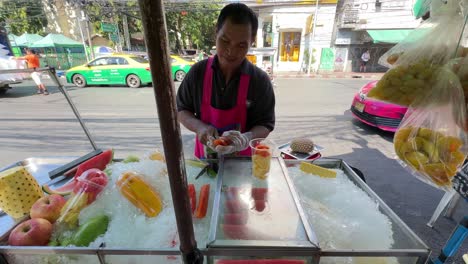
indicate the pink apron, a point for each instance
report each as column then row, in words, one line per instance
column 224, row 120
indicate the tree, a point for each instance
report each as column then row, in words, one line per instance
column 23, row 16
column 192, row 25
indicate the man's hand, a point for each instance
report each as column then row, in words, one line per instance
column 205, row 133
column 238, row 142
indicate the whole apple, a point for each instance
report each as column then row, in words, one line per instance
column 48, row 207
column 33, row 232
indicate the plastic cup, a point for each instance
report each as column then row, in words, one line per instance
column 262, row 151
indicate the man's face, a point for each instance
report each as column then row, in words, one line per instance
column 232, row 44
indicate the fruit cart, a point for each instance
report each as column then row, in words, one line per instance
column 276, row 202
column 248, row 218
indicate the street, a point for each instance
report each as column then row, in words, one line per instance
column 125, row 119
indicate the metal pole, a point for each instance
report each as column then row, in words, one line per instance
column 313, row 36
column 54, row 77
column 157, row 43
column 126, row 34
column 85, row 18
column 82, row 38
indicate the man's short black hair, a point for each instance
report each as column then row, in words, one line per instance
column 238, row 13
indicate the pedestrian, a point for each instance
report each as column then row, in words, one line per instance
column 364, row 59
column 226, row 94
column 32, row 60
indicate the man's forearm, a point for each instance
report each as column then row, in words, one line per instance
column 259, row 132
column 190, row 121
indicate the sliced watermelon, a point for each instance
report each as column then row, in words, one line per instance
column 236, row 219
column 62, row 190
column 99, row 162
column 244, row 232
column 235, row 206
column 259, row 193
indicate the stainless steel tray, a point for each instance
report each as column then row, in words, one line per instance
column 39, row 168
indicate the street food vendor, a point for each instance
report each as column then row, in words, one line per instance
column 226, row 94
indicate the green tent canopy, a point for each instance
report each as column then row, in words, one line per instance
column 389, row 36
column 12, row 38
column 56, row 40
column 421, row 7
column 26, row 39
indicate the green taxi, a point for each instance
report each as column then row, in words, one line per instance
column 122, row 69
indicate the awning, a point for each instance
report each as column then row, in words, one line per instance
column 421, row 7
column 389, row 36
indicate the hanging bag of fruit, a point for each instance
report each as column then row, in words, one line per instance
column 431, row 142
column 415, row 60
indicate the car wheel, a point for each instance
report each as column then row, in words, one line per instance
column 179, row 75
column 133, row 81
column 3, row 90
column 79, row 80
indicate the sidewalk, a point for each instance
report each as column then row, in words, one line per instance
column 331, row 75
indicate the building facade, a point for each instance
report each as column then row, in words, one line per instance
column 289, row 29
column 376, row 25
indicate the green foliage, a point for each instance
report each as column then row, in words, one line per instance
column 23, row 16
column 194, row 23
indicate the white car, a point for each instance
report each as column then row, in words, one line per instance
column 7, row 63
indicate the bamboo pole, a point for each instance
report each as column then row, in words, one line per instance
column 157, row 44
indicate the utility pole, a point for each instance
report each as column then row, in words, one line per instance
column 82, row 38
column 126, row 34
column 312, row 36
column 85, row 18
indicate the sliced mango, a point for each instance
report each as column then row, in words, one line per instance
column 317, row 170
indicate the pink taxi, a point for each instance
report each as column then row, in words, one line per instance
column 383, row 115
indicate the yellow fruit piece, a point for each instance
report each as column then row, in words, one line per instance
column 403, row 133
column 261, row 166
column 72, row 208
column 157, row 156
column 447, row 145
column 19, row 190
column 456, row 158
column 196, row 163
column 416, row 159
column 411, row 145
column 317, row 170
column 431, row 150
column 429, row 134
column 438, row 173
column 398, row 144
column 133, row 187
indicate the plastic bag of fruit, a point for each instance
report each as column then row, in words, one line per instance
column 460, row 67
column 414, row 61
column 431, row 142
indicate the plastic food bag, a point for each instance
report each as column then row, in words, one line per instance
column 89, row 185
column 415, row 60
column 430, row 141
column 460, row 67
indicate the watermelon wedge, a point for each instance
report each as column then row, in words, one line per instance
column 259, row 193
column 63, row 190
column 243, row 232
column 236, row 219
column 98, row 162
column 258, row 205
column 235, row 206
column 261, row 261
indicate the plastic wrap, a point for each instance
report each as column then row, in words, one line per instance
column 431, row 142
